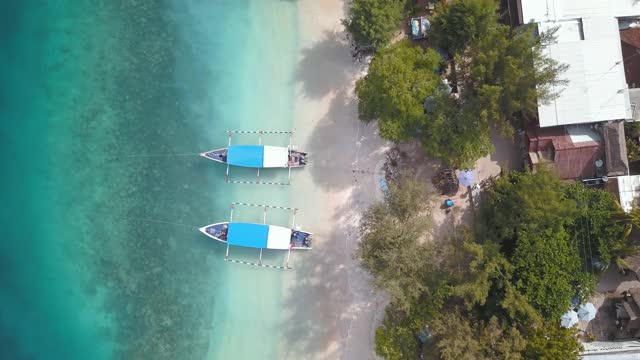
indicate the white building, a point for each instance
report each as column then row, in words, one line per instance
column 589, row 42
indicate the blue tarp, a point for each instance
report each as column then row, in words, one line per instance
column 248, row 235
column 246, row 155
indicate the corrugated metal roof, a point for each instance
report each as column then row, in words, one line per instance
column 572, row 151
column 631, row 36
column 615, row 149
column 597, row 87
column 628, row 190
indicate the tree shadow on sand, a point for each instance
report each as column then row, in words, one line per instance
column 340, row 144
column 325, row 66
column 321, row 304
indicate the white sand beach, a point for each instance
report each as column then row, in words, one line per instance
column 330, row 310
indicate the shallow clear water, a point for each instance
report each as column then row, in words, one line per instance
column 100, row 257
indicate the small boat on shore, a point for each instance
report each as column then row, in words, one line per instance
column 258, row 156
column 259, row 236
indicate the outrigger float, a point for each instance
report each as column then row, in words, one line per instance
column 258, row 156
column 259, row 236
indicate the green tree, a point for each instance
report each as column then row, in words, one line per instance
column 547, row 267
column 529, row 215
column 461, row 337
column 598, row 237
column 552, row 342
column 459, row 22
column 524, row 200
column 486, row 267
column 456, row 133
column 393, row 91
column 374, row 22
column 509, row 70
column 390, row 247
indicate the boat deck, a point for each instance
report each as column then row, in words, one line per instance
column 297, row 159
column 219, row 155
column 300, row 240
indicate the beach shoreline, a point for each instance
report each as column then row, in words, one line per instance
column 331, row 311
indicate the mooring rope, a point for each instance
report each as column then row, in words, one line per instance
column 151, row 155
column 159, row 221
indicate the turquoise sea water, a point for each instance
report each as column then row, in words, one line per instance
column 99, row 256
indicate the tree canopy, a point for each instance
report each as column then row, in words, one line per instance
column 393, row 91
column 390, row 248
column 496, row 291
column 374, row 22
column 501, row 73
column 457, row 23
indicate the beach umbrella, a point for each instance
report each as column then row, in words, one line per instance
column 466, row 178
column 587, row 312
column 569, row 319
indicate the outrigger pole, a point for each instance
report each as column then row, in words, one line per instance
column 261, row 132
column 264, row 207
column 226, row 257
column 259, row 143
column 230, row 132
column 258, row 132
column 293, row 227
column 289, row 161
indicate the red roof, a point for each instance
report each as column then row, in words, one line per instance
column 631, row 36
column 554, row 146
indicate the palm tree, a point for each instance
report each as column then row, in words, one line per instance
column 625, row 247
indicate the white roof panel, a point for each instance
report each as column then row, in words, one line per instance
column 279, row 238
column 628, row 190
column 275, row 156
column 597, row 90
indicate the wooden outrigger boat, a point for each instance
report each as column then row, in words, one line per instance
column 258, row 156
column 259, row 236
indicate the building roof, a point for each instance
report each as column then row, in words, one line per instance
column 589, row 42
column 572, row 150
column 628, row 190
column 615, row 149
column 631, row 36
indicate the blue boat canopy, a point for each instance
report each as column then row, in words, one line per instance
column 246, row 155
column 248, row 235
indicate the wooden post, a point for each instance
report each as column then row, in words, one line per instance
column 289, row 254
column 289, row 162
column 260, row 260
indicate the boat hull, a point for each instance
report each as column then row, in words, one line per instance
column 296, row 159
column 299, row 239
column 218, row 155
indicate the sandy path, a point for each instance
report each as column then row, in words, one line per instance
column 330, row 310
